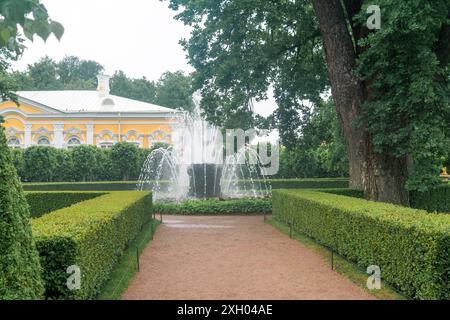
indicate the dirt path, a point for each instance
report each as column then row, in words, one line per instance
column 233, row 258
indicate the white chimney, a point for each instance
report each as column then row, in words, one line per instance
column 103, row 85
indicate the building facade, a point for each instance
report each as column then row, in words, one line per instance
column 65, row 119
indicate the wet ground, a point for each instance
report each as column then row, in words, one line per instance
column 238, row 257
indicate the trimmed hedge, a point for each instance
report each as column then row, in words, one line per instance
column 81, row 186
column 41, row 203
column 215, row 207
column 131, row 185
column 434, row 200
column 92, row 235
column 321, row 183
column 411, row 247
column 437, row 200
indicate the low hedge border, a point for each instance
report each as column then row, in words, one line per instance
column 433, row 200
column 41, row 203
column 436, row 200
column 91, row 235
column 82, row 186
column 411, row 247
column 320, row 183
column 215, row 207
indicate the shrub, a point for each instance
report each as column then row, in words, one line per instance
column 18, row 161
column 40, row 163
column 81, row 186
column 91, row 235
column 433, row 200
column 411, row 247
column 19, row 264
column 215, row 207
column 309, row 183
column 41, row 203
column 85, row 162
column 125, row 158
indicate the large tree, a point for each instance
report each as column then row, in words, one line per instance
column 390, row 86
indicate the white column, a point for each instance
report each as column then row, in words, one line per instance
column 90, row 134
column 58, row 135
column 27, row 136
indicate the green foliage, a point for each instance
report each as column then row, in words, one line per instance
column 19, row 265
column 39, row 163
column 92, row 235
column 71, row 73
column 434, row 200
column 412, row 247
column 125, row 159
column 18, row 161
column 84, row 157
column 138, row 89
column 124, row 271
column 309, row 183
column 81, row 186
column 409, row 103
column 29, row 17
column 174, row 90
column 41, row 203
column 215, row 207
column 241, row 48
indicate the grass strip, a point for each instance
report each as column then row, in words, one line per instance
column 126, row 268
column 341, row 265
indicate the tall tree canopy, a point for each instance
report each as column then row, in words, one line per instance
column 172, row 90
column 390, row 86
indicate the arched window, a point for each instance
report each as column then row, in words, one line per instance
column 106, row 145
column 73, row 142
column 13, row 142
column 43, row 141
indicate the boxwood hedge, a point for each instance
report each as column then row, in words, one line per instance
column 433, row 200
column 81, row 186
column 41, row 203
column 131, row 185
column 215, row 207
column 91, row 235
column 412, row 247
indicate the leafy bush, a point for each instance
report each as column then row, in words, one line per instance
column 432, row 200
column 411, row 247
column 19, row 264
column 436, row 200
column 309, row 183
column 91, row 235
column 215, row 207
column 39, row 163
column 41, row 203
column 81, row 186
column 125, row 159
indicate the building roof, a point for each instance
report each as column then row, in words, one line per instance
column 89, row 101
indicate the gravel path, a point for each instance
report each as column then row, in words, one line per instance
column 233, row 257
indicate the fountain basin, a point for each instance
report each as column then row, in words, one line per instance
column 204, row 180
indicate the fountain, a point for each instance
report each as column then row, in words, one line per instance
column 194, row 166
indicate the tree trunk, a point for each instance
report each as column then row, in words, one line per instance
column 381, row 176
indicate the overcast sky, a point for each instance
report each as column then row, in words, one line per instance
column 139, row 37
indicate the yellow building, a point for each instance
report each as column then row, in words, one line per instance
column 65, row 119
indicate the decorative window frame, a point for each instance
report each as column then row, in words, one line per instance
column 139, row 138
column 166, row 137
column 68, row 146
column 99, row 138
column 18, row 145
column 42, row 133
